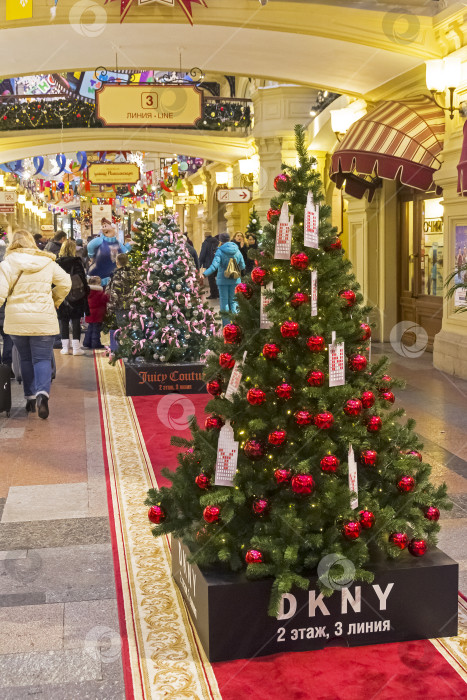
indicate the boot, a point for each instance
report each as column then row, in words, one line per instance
column 76, row 348
column 42, row 406
column 30, row 405
column 65, row 347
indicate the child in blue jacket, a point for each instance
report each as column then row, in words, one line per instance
column 227, row 250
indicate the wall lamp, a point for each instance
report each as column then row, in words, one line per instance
column 444, row 74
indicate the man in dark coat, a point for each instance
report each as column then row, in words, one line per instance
column 55, row 244
column 206, row 256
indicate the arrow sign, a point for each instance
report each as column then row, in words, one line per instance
column 236, row 195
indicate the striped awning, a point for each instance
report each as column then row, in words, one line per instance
column 398, row 140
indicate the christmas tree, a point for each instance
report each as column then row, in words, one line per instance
column 254, row 224
column 143, row 233
column 168, row 321
column 296, row 493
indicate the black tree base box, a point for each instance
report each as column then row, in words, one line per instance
column 408, row 599
column 147, row 379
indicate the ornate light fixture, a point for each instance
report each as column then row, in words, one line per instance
column 444, row 74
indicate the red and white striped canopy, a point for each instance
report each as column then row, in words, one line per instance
column 400, row 140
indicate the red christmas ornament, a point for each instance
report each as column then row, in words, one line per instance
column 366, row 331
column 259, row 275
column 273, row 215
column 357, row 363
column 387, row 396
column 271, row 351
column 253, row 449
column 368, row 399
column 414, row 453
column 315, row 377
column 303, row 417
column 335, row 245
column 329, row 463
column 406, row 484
column 353, row 407
column 282, row 476
column 352, row 530
column 315, row 343
column 366, row 518
column 348, row 296
column 284, row 391
column 302, row 484
column 256, row 396
column 214, row 387
column 374, row 424
column 260, row 506
column 399, row 539
column 299, row 261
column 244, row 289
column 368, row 458
column 417, row 548
column 299, row 298
column 213, row 423
column 211, row 514
column 281, row 182
column 253, row 556
column 431, row 513
column 277, row 438
column 156, row 515
column 290, row 329
column 226, row 360
column 232, row 333
column 325, row 420
column 203, row 481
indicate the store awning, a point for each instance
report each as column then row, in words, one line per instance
column 398, row 140
column 462, row 166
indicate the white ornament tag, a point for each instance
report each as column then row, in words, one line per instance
column 264, row 321
column 284, row 234
column 235, row 379
column 314, row 292
column 353, row 478
column 227, row 456
column 336, row 362
column 311, row 224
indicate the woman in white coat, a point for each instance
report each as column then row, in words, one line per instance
column 26, row 278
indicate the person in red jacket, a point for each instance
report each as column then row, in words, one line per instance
column 97, row 301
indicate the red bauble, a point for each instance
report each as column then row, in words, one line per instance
column 417, row 548
column 368, row 458
column 282, row 476
column 253, row 449
column 352, row 530
column 348, row 296
column 387, row 396
column 271, row 351
column 260, row 506
column 368, row 399
column 226, row 360
column 325, row 420
column 414, row 453
column 302, row 484
column 353, row 407
column 211, row 514
column 299, row 298
column 366, row 331
column 366, row 518
column 259, row 275
column 281, row 182
column 315, row 343
column 214, row 387
column 203, row 481
column 290, row 329
column 303, row 417
column 299, row 261
column 277, row 438
column 335, row 245
column 431, row 513
column 256, row 396
column 244, row 289
column 399, row 539
column 329, row 463
column 374, row 424
column 406, row 484
column 232, row 333
column 315, row 377
column 253, row 556
column 357, row 363
column 284, row 391
column 273, row 215
column 386, row 379
column 156, row 515
column 213, row 423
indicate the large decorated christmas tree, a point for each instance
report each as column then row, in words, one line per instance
column 302, row 454
column 143, row 234
column 168, row 320
column 254, row 224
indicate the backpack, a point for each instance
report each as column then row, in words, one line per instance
column 232, row 270
column 78, row 291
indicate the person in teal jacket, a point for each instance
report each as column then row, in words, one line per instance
column 227, row 250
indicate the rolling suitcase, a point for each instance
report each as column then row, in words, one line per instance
column 5, row 389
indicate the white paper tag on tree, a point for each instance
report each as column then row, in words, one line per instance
column 311, row 224
column 235, row 379
column 264, row 321
column 353, row 478
column 227, row 457
column 284, row 234
column 336, row 362
column 314, row 292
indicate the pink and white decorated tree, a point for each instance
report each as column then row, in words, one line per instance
column 168, row 320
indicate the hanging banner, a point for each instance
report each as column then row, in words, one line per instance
column 235, row 379
column 314, row 292
column 99, row 212
column 353, row 478
column 264, row 320
column 18, row 9
column 311, row 222
column 336, row 362
column 113, row 173
column 227, row 456
column 284, row 234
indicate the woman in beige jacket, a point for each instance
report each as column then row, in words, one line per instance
column 26, row 278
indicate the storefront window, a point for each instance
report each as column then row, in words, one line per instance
column 432, row 244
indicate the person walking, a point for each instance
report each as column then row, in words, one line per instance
column 55, row 244
column 75, row 305
column 26, row 278
column 206, row 256
column 228, row 275
column 97, row 302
